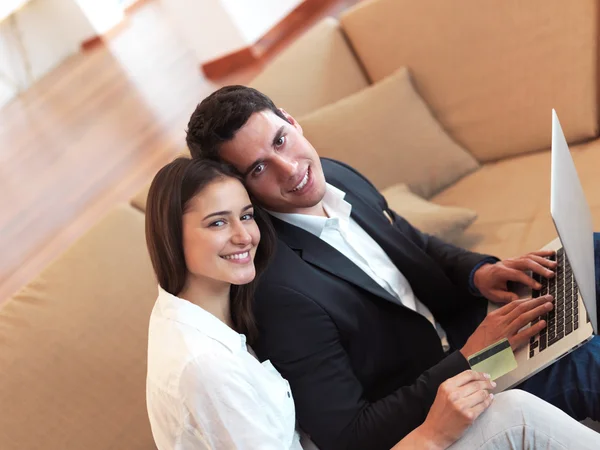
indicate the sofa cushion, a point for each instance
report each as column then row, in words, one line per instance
column 317, row 69
column 445, row 222
column 140, row 199
column 73, row 345
column 512, row 200
column 491, row 71
column 387, row 132
column 587, row 161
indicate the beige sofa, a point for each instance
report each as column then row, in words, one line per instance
column 73, row 341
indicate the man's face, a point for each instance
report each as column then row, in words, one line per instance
column 281, row 168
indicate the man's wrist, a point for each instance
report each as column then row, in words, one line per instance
column 472, row 286
column 465, row 353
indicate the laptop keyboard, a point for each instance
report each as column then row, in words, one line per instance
column 564, row 318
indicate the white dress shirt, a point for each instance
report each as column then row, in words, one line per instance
column 204, row 390
column 341, row 232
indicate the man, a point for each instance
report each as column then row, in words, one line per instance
column 342, row 308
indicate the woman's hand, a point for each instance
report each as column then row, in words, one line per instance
column 459, row 401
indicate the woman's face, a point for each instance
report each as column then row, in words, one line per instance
column 219, row 233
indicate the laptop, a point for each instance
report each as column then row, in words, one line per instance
column 573, row 321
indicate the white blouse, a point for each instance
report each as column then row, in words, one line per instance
column 204, row 390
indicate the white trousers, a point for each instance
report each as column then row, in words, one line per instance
column 517, row 420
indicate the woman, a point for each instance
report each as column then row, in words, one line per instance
column 205, row 387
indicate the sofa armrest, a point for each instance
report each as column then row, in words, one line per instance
column 73, row 345
column 317, row 69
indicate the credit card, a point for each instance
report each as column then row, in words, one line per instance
column 498, row 359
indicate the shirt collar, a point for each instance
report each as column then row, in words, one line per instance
column 185, row 312
column 335, row 206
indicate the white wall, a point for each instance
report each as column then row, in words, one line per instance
column 206, row 27
column 213, row 28
column 51, row 30
column 102, row 14
column 254, row 18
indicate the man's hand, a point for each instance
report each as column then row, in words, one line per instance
column 506, row 322
column 492, row 279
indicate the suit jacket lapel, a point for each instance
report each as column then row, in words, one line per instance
column 318, row 253
column 377, row 225
column 411, row 260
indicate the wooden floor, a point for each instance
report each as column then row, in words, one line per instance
column 92, row 133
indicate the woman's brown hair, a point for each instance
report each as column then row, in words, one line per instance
column 170, row 192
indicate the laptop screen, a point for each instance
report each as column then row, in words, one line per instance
column 573, row 220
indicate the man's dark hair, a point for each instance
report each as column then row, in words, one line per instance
column 220, row 115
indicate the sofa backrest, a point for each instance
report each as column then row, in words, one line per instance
column 317, row 69
column 73, row 346
column 490, row 70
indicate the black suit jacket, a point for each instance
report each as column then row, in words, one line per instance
column 364, row 370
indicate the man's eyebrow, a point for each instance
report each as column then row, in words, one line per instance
column 252, row 166
column 278, row 135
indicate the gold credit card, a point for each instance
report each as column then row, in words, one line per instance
column 498, row 359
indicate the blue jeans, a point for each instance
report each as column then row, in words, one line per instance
column 572, row 383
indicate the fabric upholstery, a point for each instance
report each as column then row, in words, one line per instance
column 140, row 199
column 445, row 222
column 512, row 200
column 387, row 132
column 73, row 346
column 491, row 71
column 317, row 69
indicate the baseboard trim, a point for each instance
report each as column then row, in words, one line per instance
column 267, row 44
column 92, row 43
column 224, row 65
column 129, row 9
column 98, row 40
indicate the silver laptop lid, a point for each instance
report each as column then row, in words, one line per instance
column 572, row 219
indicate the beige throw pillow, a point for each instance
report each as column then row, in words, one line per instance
column 445, row 222
column 387, row 133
